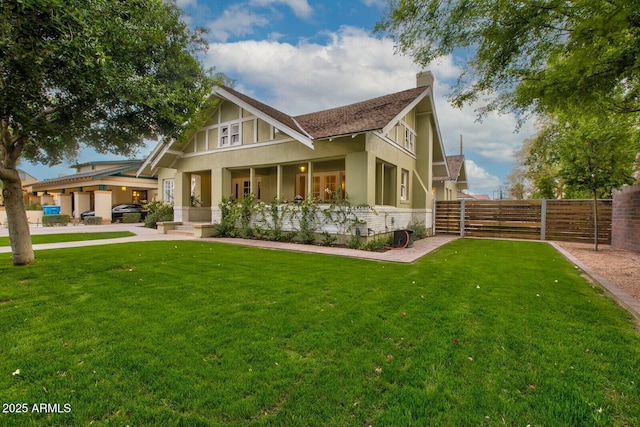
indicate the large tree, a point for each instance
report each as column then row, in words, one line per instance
column 591, row 154
column 533, row 56
column 105, row 73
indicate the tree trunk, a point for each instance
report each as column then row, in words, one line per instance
column 19, row 234
column 595, row 220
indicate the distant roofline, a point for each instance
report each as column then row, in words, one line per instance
column 107, row 162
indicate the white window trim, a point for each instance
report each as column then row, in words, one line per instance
column 404, row 185
column 409, row 137
column 168, row 193
column 231, row 137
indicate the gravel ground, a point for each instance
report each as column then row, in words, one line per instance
column 620, row 267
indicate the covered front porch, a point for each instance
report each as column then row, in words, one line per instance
column 387, row 196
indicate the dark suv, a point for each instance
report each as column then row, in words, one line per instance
column 118, row 211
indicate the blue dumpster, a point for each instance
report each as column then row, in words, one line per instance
column 51, row 210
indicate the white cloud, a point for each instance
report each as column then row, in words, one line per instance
column 300, row 7
column 185, row 3
column 352, row 66
column 481, row 181
column 381, row 4
column 235, row 21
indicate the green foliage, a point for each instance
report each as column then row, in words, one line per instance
column 539, row 56
column 92, row 220
column 575, row 154
column 343, row 215
column 107, row 73
column 131, row 217
column 195, row 201
column 378, row 243
column 33, row 206
column 278, row 338
column 328, row 239
column 157, row 211
column 419, row 230
column 307, row 211
column 248, row 219
column 354, row 241
column 52, row 220
column 246, row 212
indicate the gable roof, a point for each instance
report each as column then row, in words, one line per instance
column 373, row 114
column 377, row 114
column 457, row 171
column 455, row 164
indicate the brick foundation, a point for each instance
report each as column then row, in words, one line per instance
column 625, row 227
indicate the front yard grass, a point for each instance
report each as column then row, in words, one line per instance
column 481, row 332
column 38, row 239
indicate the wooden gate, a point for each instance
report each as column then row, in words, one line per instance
column 570, row 220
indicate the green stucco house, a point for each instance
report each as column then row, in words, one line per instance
column 382, row 152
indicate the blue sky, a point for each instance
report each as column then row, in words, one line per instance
column 302, row 55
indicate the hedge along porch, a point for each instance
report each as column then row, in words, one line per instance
column 381, row 152
column 97, row 186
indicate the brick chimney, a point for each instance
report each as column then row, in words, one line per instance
column 425, row 78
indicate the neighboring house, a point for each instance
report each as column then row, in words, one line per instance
column 97, row 186
column 26, row 181
column 448, row 187
column 383, row 152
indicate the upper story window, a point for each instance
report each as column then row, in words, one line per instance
column 230, row 134
column 409, row 139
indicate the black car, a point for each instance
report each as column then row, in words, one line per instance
column 118, row 211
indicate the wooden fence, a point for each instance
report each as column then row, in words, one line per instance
column 569, row 220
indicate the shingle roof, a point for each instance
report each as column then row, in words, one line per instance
column 270, row 111
column 362, row 116
column 455, row 165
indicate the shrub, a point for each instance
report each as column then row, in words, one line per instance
column 377, row 243
column 419, row 230
column 158, row 211
column 354, row 241
column 131, row 217
column 51, row 220
column 328, row 239
column 92, row 220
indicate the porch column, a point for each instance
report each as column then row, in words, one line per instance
column 220, row 184
column 360, row 173
column 82, row 202
column 182, row 199
column 309, row 194
column 279, row 182
column 64, row 200
column 102, row 205
column 252, row 180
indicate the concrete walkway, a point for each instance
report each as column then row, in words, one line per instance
column 143, row 234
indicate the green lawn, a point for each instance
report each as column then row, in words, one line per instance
column 37, row 239
column 481, row 332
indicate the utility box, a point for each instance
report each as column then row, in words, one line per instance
column 51, row 210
